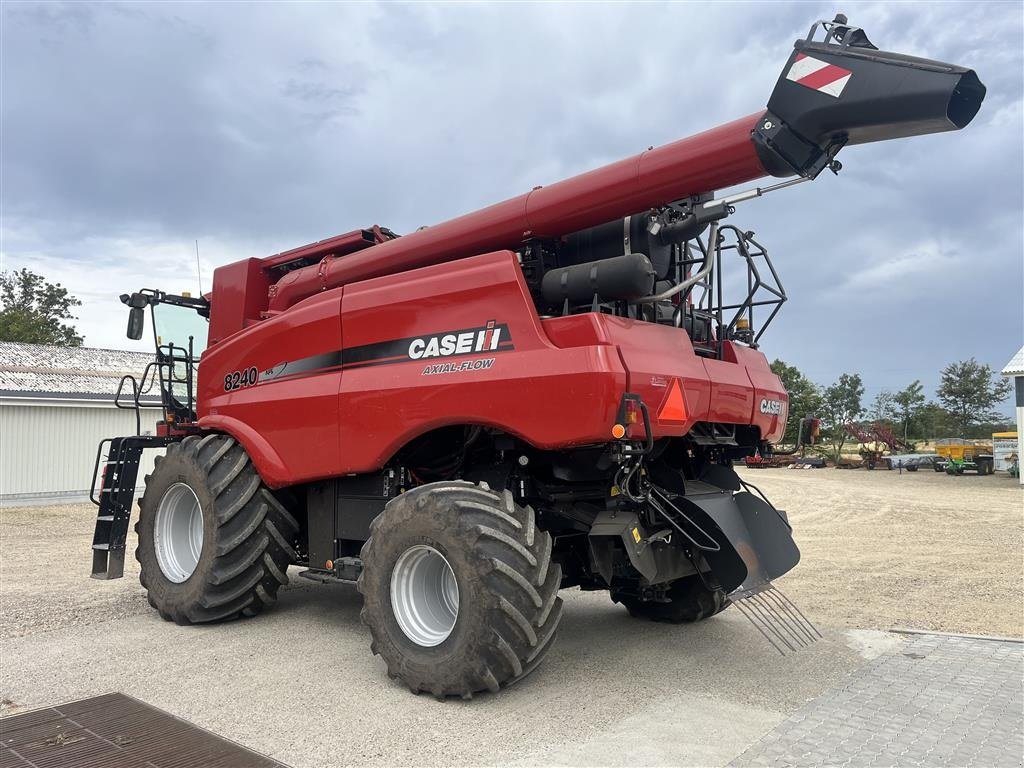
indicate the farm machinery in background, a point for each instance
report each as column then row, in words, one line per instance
column 808, row 433
column 549, row 392
column 959, row 456
column 874, row 441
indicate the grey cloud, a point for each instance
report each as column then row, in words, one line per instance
column 309, row 90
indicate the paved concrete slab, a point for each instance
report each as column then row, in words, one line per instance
column 937, row 700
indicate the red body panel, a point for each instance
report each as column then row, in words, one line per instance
column 290, row 426
column 353, row 392
column 550, row 397
column 239, row 294
column 766, row 387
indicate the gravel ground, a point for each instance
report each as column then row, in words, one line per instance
column 918, row 549
column 879, row 549
column 45, row 558
column 299, row 683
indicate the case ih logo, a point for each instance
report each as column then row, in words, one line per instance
column 771, row 407
column 488, row 338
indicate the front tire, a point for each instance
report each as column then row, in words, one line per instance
column 459, row 589
column 214, row 542
column 689, row 601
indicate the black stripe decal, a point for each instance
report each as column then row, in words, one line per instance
column 390, row 352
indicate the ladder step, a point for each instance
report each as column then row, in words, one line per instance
column 105, row 518
column 101, row 546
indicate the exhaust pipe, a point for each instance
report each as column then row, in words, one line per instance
column 843, row 90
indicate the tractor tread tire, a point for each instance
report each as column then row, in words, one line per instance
column 690, row 602
column 248, row 535
column 509, row 607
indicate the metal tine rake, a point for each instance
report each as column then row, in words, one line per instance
column 776, row 617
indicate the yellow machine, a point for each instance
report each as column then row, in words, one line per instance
column 959, row 456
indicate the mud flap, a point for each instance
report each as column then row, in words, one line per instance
column 758, row 546
column 758, row 543
column 743, row 539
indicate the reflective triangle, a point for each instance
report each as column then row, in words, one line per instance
column 674, row 407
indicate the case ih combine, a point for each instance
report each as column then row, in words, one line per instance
column 546, row 393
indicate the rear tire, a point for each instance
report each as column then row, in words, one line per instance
column 459, row 589
column 690, row 601
column 233, row 558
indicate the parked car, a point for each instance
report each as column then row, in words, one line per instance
column 924, row 462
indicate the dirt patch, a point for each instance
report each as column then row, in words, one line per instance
column 924, row 550
column 45, row 561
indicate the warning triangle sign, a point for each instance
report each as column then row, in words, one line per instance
column 674, row 407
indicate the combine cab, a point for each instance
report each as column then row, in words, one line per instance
column 546, row 393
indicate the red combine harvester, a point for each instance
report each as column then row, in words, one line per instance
column 549, row 392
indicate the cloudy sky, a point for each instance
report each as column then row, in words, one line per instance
column 130, row 131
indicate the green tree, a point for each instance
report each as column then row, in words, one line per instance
column 841, row 404
column 33, row 310
column 908, row 403
column 934, row 421
column 984, row 430
column 970, row 391
column 804, row 397
column 883, row 407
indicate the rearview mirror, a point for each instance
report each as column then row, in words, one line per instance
column 136, row 321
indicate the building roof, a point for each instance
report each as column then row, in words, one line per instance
column 1016, row 365
column 67, row 373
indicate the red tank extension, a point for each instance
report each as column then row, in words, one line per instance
column 714, row 159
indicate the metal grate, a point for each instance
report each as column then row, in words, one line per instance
column 116, row 731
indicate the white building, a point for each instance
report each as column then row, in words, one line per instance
column 1015, row 370
column 56, row 404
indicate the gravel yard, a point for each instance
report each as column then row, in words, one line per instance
column 880, row 549
column 919, row 549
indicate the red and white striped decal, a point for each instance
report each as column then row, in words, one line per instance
column 818, row 75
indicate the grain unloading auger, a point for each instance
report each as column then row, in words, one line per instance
column 549, row 392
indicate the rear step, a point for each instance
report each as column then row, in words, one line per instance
column 116, row 496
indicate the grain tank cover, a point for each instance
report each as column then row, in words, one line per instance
column 843, row 90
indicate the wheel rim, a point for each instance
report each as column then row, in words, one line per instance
column 424, row 595
column 178, row 532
